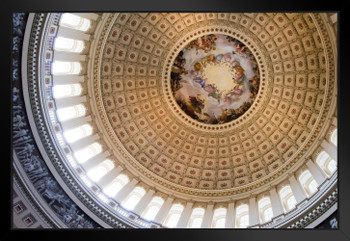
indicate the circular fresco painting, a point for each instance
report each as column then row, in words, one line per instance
column 215, row 79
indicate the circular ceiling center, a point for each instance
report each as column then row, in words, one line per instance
column 215, row 79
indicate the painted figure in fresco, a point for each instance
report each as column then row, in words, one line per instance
column 254, row 86
column 207, row 42
column 204, row 41
column 219, row 57
column 196, row 103
column 176, row 71
column 238, row 79
column 240, row 49
column 194, row 82
column 212, row 91
column 238, row 74
column 199, row 81
column 228, row 59
column 208, row 59
column 193, row 44
column 197, row 66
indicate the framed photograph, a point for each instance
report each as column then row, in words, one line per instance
column 209, row 121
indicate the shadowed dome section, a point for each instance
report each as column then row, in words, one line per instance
column 215, row 78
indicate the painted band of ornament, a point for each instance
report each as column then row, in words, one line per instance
column 128, row 159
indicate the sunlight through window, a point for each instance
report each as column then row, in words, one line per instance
column 308, row 182
column 334, row 137
column 326, row 163
column 86, row 153
column 287, row 198
column 68, row 45
column 265, row 209
column 75, row 22
column 133, row 198
column 118, row 183
column 173, row 215
column 71, row 112
column 62, row 91
column 196, row 218
column 153, row 208
column 66, row 68
column 77, row 133
column 219, row 218
column 102, row 169
column 242, row 216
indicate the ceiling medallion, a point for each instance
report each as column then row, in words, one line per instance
column 215, row 78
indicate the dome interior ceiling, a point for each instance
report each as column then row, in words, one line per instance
column 154, row 135
column 149, row 119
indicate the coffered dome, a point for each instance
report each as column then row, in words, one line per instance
column 220, row 112
column 134, row 99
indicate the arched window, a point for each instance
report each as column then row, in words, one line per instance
column 242, row 216
column 102, row 169
column 308, row 182
column 62, row 91
column 153, row 208
column 196, row 218
column 75, row 22
column 265, row 209
column 77, row 133
column 133, row 198
column 86, row 153
column 332, row 166
column 66, row 68
column 173, row 215
column 71, row 112
column 68, row 45
column 118, row 183
column 326, row 163
column 287, row 198
column 334, row 137
column 219, row 218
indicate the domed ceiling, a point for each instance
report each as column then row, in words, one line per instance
column 197, row 107
column 212, row 104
